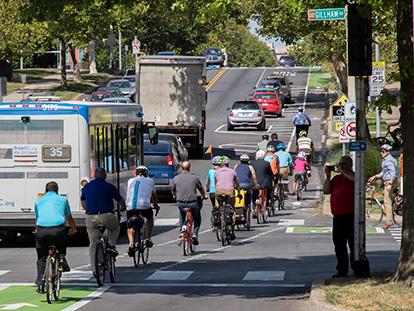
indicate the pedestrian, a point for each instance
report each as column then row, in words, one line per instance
column 301, row 121
column 342, row 191
column 263, row 144
column 184, row 191
column 97, row 200
column 51, row 212
column 390, row 175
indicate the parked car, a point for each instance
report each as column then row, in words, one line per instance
column 163, row 162
column 99, row 96
column 176, row 141
column 131, row 79
column 286, row 60
column 167, row 53
column 124, row 85
column 275, row 85
column 114, row 90
column 284, row 82
column 123, row 100
column 269, row 102
column 246, row 113
column 214, row 57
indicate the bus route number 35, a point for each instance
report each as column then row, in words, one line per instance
column 60, row 153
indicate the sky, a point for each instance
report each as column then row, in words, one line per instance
column 253, row 25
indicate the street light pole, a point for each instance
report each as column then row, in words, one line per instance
column 119, row 48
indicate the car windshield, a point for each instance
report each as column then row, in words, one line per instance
column 245, row 106
column 121, row 84
column 265, row 96
column 280, row 80
column 269, row 86
column 99, row 97
column 212, row 51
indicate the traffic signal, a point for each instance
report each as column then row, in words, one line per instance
column 136, row 30
column 359, row 43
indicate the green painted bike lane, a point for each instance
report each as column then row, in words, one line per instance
column 24, row 297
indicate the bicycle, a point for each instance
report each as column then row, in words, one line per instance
column 260, row 209
column 52, row 274
column 395, row 135
column 224, row 231
column 281, row 193
column 301, row 185
column 373, row 199
column 103, row 260
column 141, row 249
column 186, row 233
column 243, row 213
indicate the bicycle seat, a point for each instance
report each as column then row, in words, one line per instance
column 186, row 209
column 101, row 227
column 223, row 196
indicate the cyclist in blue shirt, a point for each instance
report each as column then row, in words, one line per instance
column 285, row 165
column 51, row 212
column 301, row 122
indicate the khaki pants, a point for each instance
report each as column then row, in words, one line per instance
column 284, row 171
column 111, row 223
column 229, row 200
column 389, row 186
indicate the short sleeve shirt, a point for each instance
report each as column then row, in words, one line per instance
column 140, row 190
column 186, row 185
column 210, row 177
column 224, row 178
column 273, row 160
column 51, row 209
column 305, row 144
column 99, row 195
column 300, row 165
column 342, row 196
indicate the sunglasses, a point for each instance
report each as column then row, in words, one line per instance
column 383, row 151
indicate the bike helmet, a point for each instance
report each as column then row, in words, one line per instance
column 270, row 148
column 300, row 108
column 142, row 170
column 302, row 155
column 244, row 158
column 224, row 160
column 265, row 136
column 303, row 133
column 216, row 160
column 386, row 147
column 281, row 146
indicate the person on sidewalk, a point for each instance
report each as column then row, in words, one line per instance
column 390, row 175
column 97, row 200
column 184, row 191
column 342, row 191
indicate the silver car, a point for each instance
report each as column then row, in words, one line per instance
column 131, row 79
column 121, row 100
column 246, row 113
column 124, row 85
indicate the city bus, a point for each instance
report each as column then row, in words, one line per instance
column 62, row 142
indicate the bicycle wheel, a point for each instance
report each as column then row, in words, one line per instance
column 185, row 244
column 145, row 254
column 223, row 230
column 49, row 279
column 273, row 207
column 299, row 190
column 394, row 220
column 257, row 212
column 248, row 219
column 217, row 229
column 58, row 273
column 137, row 245
column 111, row 267
column 100, row 264
column 280, row 198
column 381, row 141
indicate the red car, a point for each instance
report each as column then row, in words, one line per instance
column 269, row 102
column 99, row 96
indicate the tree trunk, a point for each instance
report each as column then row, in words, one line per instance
column 92, row 59
column 339, row 63
column 75, row 63
column 405, row 268
column 63, row 81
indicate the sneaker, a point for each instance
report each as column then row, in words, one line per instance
column 293, row 193
column 111, row 249
column 63, row 265
column 254, row 216
column 148, row 243
column 40, row 289
column 194, row 240
column 387, row 225
column 131, row 251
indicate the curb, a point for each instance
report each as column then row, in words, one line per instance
column 317, row 298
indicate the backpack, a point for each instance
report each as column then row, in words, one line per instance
column 228, row 213
column 215, row 216
column 397, row 204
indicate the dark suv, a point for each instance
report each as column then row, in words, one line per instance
column 214, row 56
column 163, row 162
column 286, row 60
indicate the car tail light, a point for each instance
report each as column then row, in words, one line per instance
column 170, row 161
column 259, row 113
column 231, row 113
column 295, row 63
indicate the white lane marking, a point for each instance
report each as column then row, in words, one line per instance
column 4, row 272
column 79, row 275
column 291, row 222
column 79, row 304
column 379, row 230
column 166, row 221
column 318, row 192
column 224, row 285
column 290, row 229
column 265, row 276
column 170, row 275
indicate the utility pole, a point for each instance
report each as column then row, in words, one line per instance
column 136, row 45
column 119, row 49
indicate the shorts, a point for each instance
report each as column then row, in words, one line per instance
column 147, row 213
column 297, row 175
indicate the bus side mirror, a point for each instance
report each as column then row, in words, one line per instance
column 153, row 135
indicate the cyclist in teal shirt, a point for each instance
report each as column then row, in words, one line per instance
column 51, row 212
column 210, row 184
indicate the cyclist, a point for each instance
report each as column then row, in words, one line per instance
column 226, row 181
column 301, row 121
column 247, row 176
column 286, row 165
column 140, row 192
column 184, row 190
column 301, row 166
column 51, row 211
column 264, row 175
column 263, row 144
column 305, row 144
column 272, row 158
column 274, row 140
column 210, row 185
column 97, row 200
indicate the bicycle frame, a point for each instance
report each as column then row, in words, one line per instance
column 373, row 199
column 186, row 234
column 52, row 274
column 103, row 261
column 260, row 205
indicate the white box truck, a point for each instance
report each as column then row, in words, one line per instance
column 172, row 94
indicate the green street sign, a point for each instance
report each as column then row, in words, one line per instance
column 326, row 14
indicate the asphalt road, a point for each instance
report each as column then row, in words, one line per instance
column 270, row 267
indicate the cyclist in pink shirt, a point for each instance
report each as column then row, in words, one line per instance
column 301, row 166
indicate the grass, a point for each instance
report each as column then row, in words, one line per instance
column 374, row 294
column 35, row 73
column 318, row 78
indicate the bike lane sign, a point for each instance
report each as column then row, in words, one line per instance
column 350, row 120
column 338, row 114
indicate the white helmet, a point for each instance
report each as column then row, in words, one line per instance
column 386, row 147
column 225, row 159
column 270, row 148
column 244, row 158
column 302, row 155
column 216, row 160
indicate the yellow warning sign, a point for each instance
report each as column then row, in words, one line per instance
column 340, row 101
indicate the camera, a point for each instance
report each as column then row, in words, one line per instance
column 330, row 168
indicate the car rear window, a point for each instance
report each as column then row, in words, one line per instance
column 155, row 160
column 265, row 96
column 121, row 84
column 287, row 58
column 160, row 147
column 245, row 106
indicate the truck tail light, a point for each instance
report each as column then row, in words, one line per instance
column 170, row 161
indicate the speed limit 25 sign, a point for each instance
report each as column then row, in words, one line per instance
column 377, row 80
